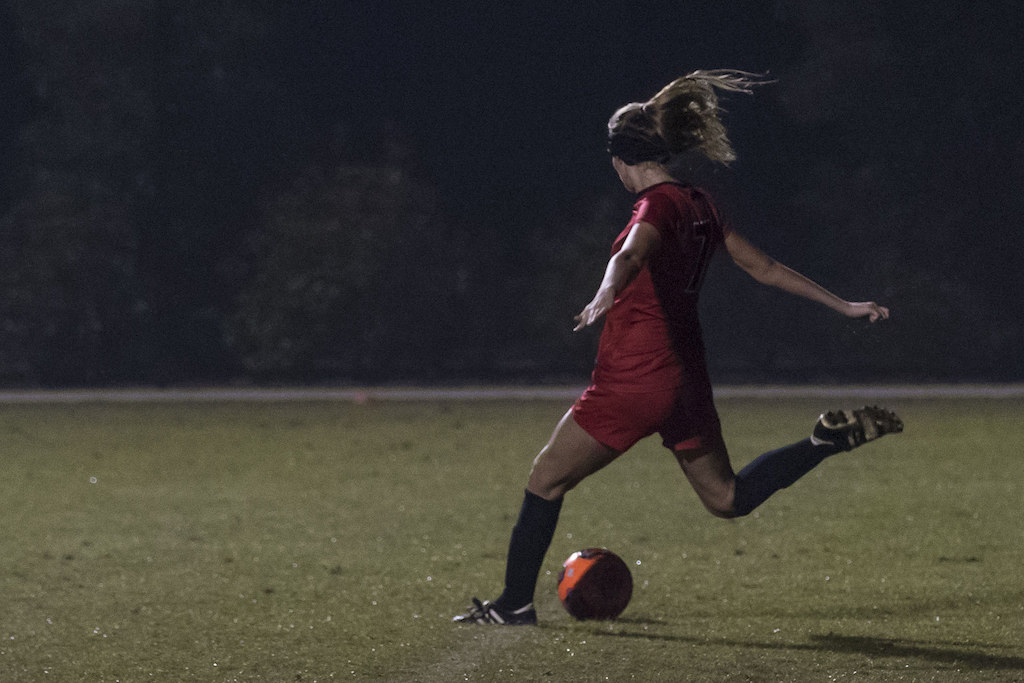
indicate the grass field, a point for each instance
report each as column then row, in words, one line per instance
column 312, row 541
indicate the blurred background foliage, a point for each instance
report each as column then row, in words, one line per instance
column 314, row 192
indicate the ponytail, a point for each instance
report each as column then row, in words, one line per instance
column 682, row 116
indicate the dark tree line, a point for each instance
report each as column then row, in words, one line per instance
column 181, row 202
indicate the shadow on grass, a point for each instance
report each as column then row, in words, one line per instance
column 936, row 652
column 943, row 653
column 642, row 621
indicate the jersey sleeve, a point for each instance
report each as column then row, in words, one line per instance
column 659, row 211
column 723, row 223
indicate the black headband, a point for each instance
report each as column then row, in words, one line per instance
column 634, row 147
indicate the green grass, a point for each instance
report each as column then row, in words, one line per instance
column 334, row 541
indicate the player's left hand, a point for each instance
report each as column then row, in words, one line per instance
column 866, row 309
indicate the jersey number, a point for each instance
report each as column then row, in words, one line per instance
column 701, row 240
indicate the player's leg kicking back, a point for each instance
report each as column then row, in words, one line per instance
column 572, row 454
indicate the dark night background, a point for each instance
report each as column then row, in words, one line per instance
column 331, row 192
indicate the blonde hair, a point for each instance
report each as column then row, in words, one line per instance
column 685, row 115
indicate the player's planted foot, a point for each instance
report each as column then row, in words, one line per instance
column 487, row 612
column 847, row 429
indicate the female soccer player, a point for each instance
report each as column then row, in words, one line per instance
column 651, row 376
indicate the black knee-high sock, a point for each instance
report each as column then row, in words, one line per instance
column 776, row 470
column 531, row 537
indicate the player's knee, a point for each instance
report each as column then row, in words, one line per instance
column 721, row 511
column 548, row 487
column 720, row 504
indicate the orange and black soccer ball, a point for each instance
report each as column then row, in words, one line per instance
column 595, row 584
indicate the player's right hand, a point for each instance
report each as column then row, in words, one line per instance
column 602, row 302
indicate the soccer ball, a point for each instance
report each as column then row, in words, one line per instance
column 595, row 584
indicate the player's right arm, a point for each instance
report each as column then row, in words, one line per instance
column 768, row 271
column 642, row 241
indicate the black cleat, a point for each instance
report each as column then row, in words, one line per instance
column 847, row 429
column 487, row 612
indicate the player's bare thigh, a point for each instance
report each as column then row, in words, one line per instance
column 569, row 457
column 710, row 473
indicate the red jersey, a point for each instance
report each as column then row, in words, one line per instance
column 652, row 338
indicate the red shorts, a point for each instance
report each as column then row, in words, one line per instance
column 620, row 419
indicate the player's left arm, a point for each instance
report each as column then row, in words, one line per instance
column 642, row 241
column 768, row 271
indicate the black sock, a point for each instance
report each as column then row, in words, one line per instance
column 531, row 537
column 776, row 470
